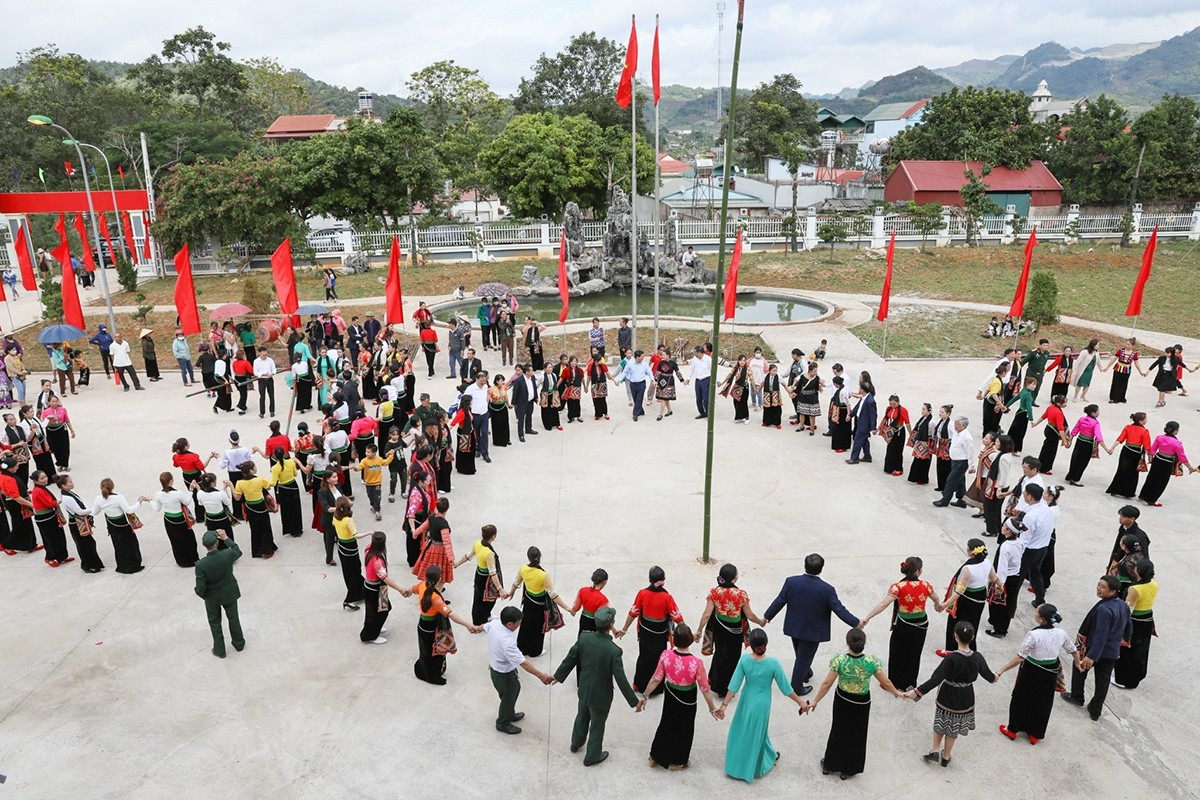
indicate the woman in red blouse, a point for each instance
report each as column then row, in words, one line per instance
column 908, row 598
column 894, row 428
column 589, row 599
column 1135, row 443
column 1056, row 432
column 655, row 610
column 191, row 465
column 49, row 520
column 724, row 622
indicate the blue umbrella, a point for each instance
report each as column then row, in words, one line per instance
column 311, row 308
column 56, row 334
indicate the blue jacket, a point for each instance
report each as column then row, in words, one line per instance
column 1106, row 626
column 809, row 601
column 867, row 416
column 102, row 339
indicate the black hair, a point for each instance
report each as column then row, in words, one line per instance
column 433, row 574
column 510, row 614
column 727, row 576
column 180, row 446
column 657, row 576
column 757, row 641
column 1112, row 582
column 1035, row 491
column 1145, row 570
column 964, row 632
column 856, row 640
column 683, row 636
column 813, row 564
column 910, row 566
column 535, row 557
column 1133, row 512
column 599, row 576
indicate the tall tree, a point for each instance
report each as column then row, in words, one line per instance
column 1171, row 134
column 274, row 91
column 193, row 66
column 1092, row 153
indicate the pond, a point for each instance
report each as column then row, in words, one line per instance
column 616, row 303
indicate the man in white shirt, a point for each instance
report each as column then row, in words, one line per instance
column 476, row 394
column 1039, row 525
column 122, row 363
column 700, row 373
column 962, row 457
column 264, row 371
column 503, row 659
column 637, row 372
column 1008, row 569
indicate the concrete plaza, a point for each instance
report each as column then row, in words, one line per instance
column 110, row 690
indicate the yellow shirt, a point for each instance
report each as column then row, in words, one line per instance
column 483, row 555
column 385, row 411
column 536, row 580
column 252, row 488
column 1146, row 593
column 284, row 472
column 995, row 387
column 345, row 528
column 372, row 469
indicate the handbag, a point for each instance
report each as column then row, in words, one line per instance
column 490, row 595
column 1142, row 465
column 385, row 603
column 708, row 645
column 738, row 391
column 188, row 519
column 84, row 524
column 996, row 596
column 272, row 504
column 133, row 521
column 554, row 617
column 443, row 639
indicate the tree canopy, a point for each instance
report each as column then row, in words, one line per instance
column 1093, row 155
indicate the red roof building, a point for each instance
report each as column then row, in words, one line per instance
column 669, row 165
column 940, row 181
column 306, row 126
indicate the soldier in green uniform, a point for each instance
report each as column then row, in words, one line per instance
column 422, row 415
column 1035, row 361
column 217, row 586
column 598, row 658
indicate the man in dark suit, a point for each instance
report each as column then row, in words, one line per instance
column 598, row 658
column 217, row 586
column 865, row 420
column 809, row 601
column 1128, row 517
column 350, row 393
column 471, row 367
column 524, row 397
column 371, row 329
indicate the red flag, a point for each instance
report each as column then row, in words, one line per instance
column 70, row 169
column 72, row 310
column 112, row 253
column 185, row 293
column 654, row 65
column 885, row 299
column 121, row 172
column 564, row 285
column 127, row 229
column 731, row 280
column 285, row 277
column 1134, row 308
column 28, row 279
column 395, row 293
column 625, row 87
column 1018, row 303
column 146, row 256
column 88, row 262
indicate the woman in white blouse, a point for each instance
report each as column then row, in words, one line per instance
column 231, row 461
column 1033, row 694
column 79, row 519
column 179, row 514
column 119, row 515
column 217, row 503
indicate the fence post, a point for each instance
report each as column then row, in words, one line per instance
column 1194, row 235
column 810, row 228
column 1007, row 234
column 943, row 237
column 878, row 240
column 1072, row 223
column 1135, row 235
column 346, row 239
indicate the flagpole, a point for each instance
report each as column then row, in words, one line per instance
column 717, row 298
column 885, row 333
column 633, row 233
column 657, row 195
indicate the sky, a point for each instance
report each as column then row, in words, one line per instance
column 379, row 44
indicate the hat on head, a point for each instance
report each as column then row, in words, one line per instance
column 234, row 437
column 424, row 395
column 210, row 538
column 8, row 462
column 145, row 332
column 605, row 616
column 102, row 327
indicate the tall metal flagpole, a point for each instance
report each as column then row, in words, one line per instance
column 633, row 234
column 658, row 224
column 717, row 295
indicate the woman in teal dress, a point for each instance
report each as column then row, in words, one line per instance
column 1085, row 366
column 749, row 753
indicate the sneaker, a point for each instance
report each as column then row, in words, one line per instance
column 378, row 640
column 391, row 498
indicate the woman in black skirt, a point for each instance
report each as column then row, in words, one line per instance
column 846, row 748
column 1089, row 440
column 39, row 444
column 940, row 446
column 498, row 416
column 967, row 594
column 772, row 408
column 737, row 386
column 59, row 433
column 420, row 500
column 489, row 580
column 122, row 521
column 464, row 447
column 682, row 674
column 252, row 491
column 808, row 399
column 596, row 384
column 1039, row 668
column 49, row 519
column 347, row 545
column 549, row 399
column 993, row 501
column 895, row 428
column 1135, row 660
column 375, row 585
column 908, row 599
column 1166, row 378
column 920, row 440
column 179, row 512
column 723, row 624
column 954, row 679
column 285, row 477
column 1024, row 404
column 533, row 343
column 1166, row 460
column 81, row 524
column 540, row 604
column 1135, row 442
column 216, row 503
column 570, row 387
column 589, row 599
column 435, row 618
column 655, row 610
column 1056, row 435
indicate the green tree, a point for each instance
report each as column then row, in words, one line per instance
column 970, row 124
column 51, row 296
column 193, row 67
column 977, row 203
column 833, row 231
column 926, row 218
column 1093, row 154
column 127, row 274
column 1171, row 134
column 274, row 91
column 1042, row 307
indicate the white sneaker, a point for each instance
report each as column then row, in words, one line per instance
column 382, row 631
column 379, row 640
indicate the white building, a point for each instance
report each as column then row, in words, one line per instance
column 1043, row 106
column 887, row 120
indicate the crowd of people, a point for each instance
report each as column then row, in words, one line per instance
column 370, row 420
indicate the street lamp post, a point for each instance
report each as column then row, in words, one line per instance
column 39, row 119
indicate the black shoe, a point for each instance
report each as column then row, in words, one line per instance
column 531, row 433
column 823, row 770
column 521, row 438
column 517, row 717
column 803, row 690
column 945, row 762
column 996, row 635
column 1073, row 700
column 866, row 460
column 977, row 516
column 851, row 460
column 487, row 459
column 702, row 416
column 932, row 758
column 1095, row 715
column 603, row 757
column 959, row 504
column 140, row 388
column 510, row 729
column 240, row 647
column 1037, row 603
column 827, row 434
column 940, row 503
column 575, row 748
column 218, row 655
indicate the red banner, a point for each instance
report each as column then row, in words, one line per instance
column 395, row 293
column 1018, row 304
column 24, row 259
column 284, row 273
column 1135, row 298
column 185, row 294
column 88, row 262
column 112, row 253
column 14, row 203
column 72, row 310
column 564, row 284
column 885, row 300
column 731, row 280
column 625, row 86
column 127, row 229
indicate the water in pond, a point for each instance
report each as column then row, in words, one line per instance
column 615, row 303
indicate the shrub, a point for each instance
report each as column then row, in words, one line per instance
column 1042, row 307
column 126, row 274
column 52, row 306
column 257, row 294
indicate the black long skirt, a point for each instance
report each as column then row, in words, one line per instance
column 481, row 610
column 152, row 369
column 741, row 408
column 1157, row 479
column 727, row 650
column 1125, row 479
column 1135, row 660
column 846, row 748
column 291, row 513
column 1120, row 383
column 672, row 745
column 991, row 418
column 374, row 618
column 904, row 651
column 412, row 545
column 428, row 667
column 89, row 558
column 531, row 639
column 21, row 536
column 918, row 470
column 445, row 471
column 464, row 463
column 772, row 415
column 550, row 418
column 992, row 508
column 60, row 445
column 1051, row 442
column 600, row 406
column 498, row 420
column 969, row 608
column 893, row 459
column 1032, row 699
column 54, row 539
column 183, row 541
column 351, row 570
column 370, row 389
column 125, row 546
column 652, row 641
column 262, row 540
column 45, row 462
column 574, row 409
column 1017, row 430
column 304, row 390
column 942, row 471
column 1081, row 456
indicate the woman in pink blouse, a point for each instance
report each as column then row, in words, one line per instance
column 1166, row 459
column 1088, row 441
column 59, row 433
column 683, row 676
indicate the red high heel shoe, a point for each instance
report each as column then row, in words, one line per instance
column 1008, row 733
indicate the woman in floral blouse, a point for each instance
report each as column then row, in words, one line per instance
column 908, row 598
column 724, row 624
column 683, row 676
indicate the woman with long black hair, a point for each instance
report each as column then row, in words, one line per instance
column 998, row 473
column 772, row 398
column 285, row 474
column 655, row 610
column 908, row 599
column 120, row 518
column 435, row 640
column 216, row 503
column 39, row 444
column 596, row 384
column 1038, row 670
column 940, row 446
column 894, row 427
column 549, row 399
column 347, row 545
column 737, row 386
column 489, row 580
column 1089, row 440
column 590, row 599
column 570, row 387
column 1166, row 460
column 375, row 585
column 420, row 501
column 48, row 517
column 1135, row 443
column 538, row 602
column 81, row 524
column 179, row 513
column 252, row 491
column 682, row 674
column 967, row 594
column 464, row 441
column 1135, row 660
column 59, row 433
column 1020, row 424
column 920, row 440
column 326, row 496
column 1056, row 435
column 724, row 624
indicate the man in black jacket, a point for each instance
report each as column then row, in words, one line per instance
column 1128, row 517
column 524, row 397
column 1103, row 630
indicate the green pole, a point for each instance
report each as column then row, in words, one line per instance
column 718, row 294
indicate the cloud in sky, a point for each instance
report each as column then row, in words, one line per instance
column 378, row 44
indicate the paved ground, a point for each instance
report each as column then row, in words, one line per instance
column 109, row 689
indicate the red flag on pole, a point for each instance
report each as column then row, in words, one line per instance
column 28, row 279
column 885, row 300
column 121, row 172
column 88, row 263
column 72, row 310
column 127, row 229
column 625, row 87
column 69, row 168
column 285, row 277
column 395, row 293
column 564, row 286
column 112, row 253
column 1018, row 304
column 146, row 257
column 654, row 67
column 731, row 280
column 1134, row 308
column 185, row 293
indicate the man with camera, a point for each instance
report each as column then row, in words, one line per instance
column 1033, row 521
